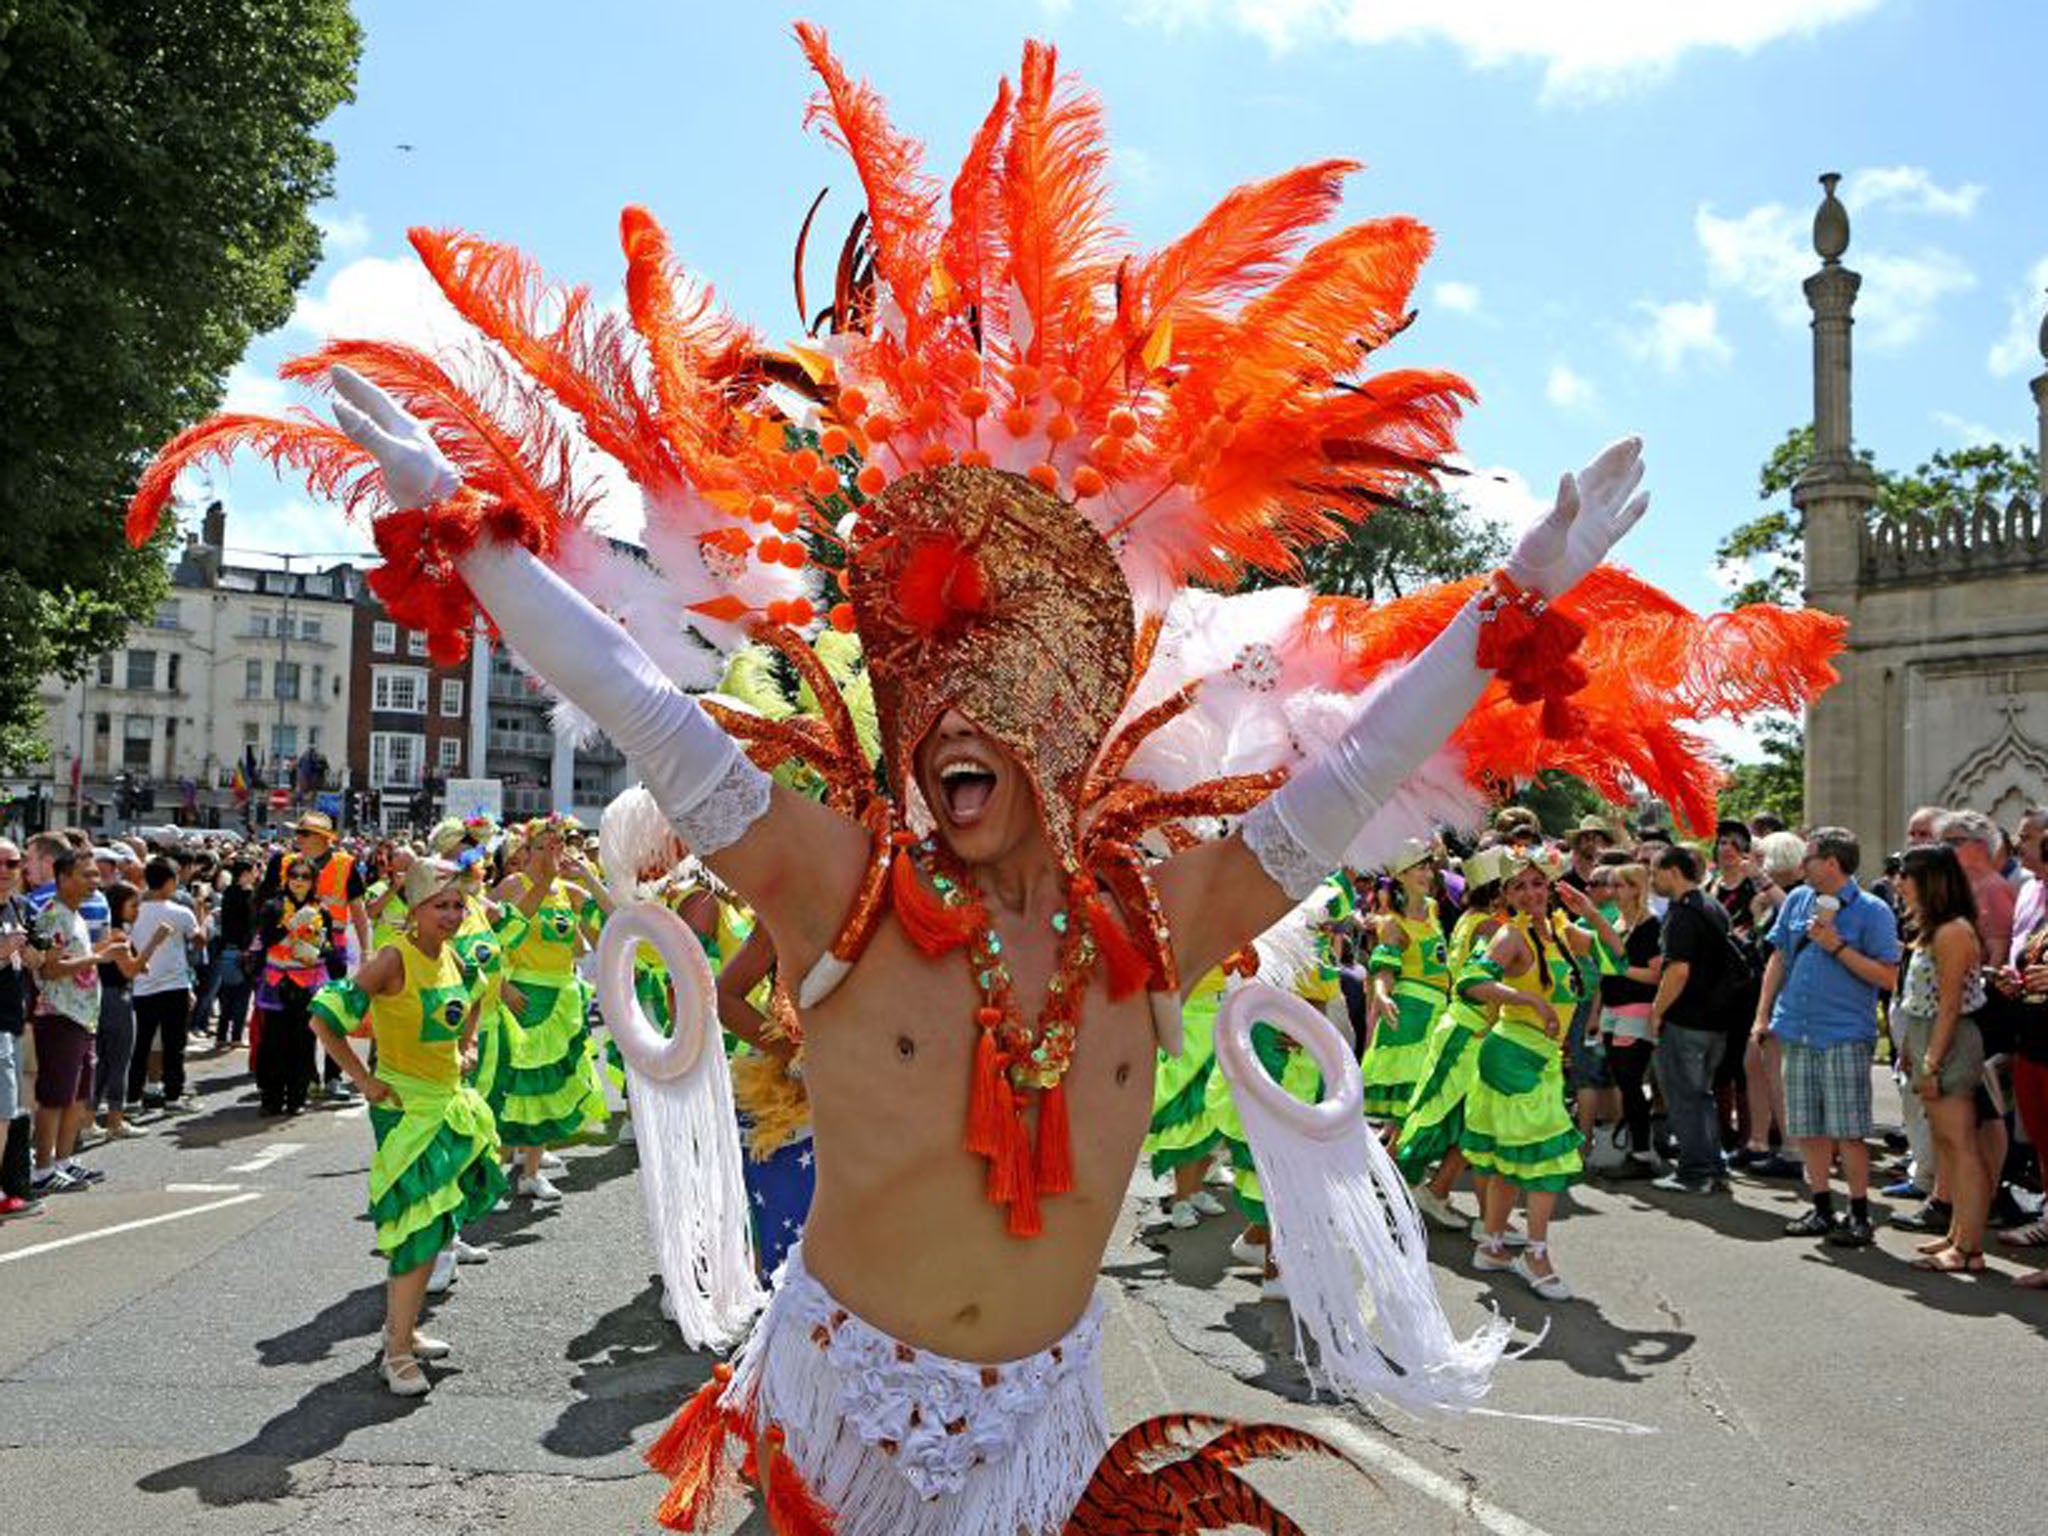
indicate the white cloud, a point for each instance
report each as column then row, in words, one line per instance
column 383, row 298
column 1910, row 189
column 2019, row 348
column 1675, row 332
column 1567, row 389
column 291, row 527
column 1766, row 254
column 1588, row 48
column 1135, row 169
column 251, row 390
column 341, row 232
column 1496, row 493
column 1973, row 434
column 1736, row 741
column 1459, row 298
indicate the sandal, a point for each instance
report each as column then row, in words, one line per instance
column 2032, row 1280
column 1952, row 1261
column 402, row 1374
column 1934, row 1245
column 2033, row 1235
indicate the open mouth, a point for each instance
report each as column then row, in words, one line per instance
column 965, row 788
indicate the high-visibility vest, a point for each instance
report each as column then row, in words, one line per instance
column 331, row 888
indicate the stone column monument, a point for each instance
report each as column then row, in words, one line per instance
column 1844, row 730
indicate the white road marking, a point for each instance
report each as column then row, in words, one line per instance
column 275, row 1152
column 1431, row 1484
column 201, row 1189
column 129, row 1226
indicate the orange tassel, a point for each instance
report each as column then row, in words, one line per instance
column 927, row 921
column 1128, row 968
column 691, row 1454
column 1009, row 1166
column 793, row 1510
column 987, row 1099
column 701, row 1420
column 1024, row 1217
column 1055, row 1168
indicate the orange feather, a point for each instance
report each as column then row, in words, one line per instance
column 972, row 247
column 334, row 468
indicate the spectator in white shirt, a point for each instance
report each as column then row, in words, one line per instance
column 163, row 992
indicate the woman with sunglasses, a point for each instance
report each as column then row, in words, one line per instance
column 1518, row 1131
column 299, row 939
column 436, row 1167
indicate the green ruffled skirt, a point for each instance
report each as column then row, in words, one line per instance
column 435, row 1170
column 1184, row 1127
column 1435, row 1118
column 1516, row 1122
column 552, row 1091
column 1398, row 1058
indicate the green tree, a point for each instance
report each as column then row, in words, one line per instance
column 158, row 165
column 1427, row 536
column 1763, row 556
column 1776, row 783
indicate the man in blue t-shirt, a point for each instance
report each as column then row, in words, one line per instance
column 41, row 881
column 1833, row 950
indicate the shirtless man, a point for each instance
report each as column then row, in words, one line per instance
column 901, row 1234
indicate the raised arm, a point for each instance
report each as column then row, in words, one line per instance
column 798, row 863
column 1221, row 895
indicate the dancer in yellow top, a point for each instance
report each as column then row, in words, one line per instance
column 1411, row 985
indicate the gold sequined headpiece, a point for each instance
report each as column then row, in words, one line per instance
column 978, row 591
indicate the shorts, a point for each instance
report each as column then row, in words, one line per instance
column 1827, row 1090
column 10, row 1076
column 64, row 1062
column 1962, row 1069
column 898, row 1441
column 1587, row 1064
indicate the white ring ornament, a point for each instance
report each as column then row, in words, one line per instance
column 640, row 1043
column 1258, row 1002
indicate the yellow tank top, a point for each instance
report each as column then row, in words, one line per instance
column 1465, row 937
column 548, row 952
column 419, row 1031
column 1423, row 956
column 1557, row 987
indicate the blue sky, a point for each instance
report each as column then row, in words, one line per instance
column 1622, row 193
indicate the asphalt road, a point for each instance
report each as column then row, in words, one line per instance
column 190, row 1347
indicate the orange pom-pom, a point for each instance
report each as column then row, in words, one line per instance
column 976, row 458
column 842, row 618
column 1061, row 427
column 1066, row 389
column 1046, row 478
column 940, row 583
column 824, row 481
column 769, row 549
column 1123, row 422
column 935, row 454
column 800, row 612
column 833, row 441
column 973, row 403
column 761, row 508
column 805, row 462
column 878, row 428
column 1106, row 449
column 871, row 479
column 793, row 554
column 913, row 372
column 1184, row 470
column 775, row 610
column 1024, row 380
column 852, row 404
column 1088, row 481
column 786, row 520
column 924, row 415
column 1018, row 420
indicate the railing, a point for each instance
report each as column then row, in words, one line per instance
column 515, row 690
column 1982, row 541
column 523, row 743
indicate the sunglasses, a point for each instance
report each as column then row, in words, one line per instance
column 10, row 863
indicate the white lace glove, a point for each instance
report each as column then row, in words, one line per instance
column 695, row 771
column 1300, row 833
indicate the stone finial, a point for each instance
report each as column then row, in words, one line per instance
column 1831, row 223
column 2043, row 338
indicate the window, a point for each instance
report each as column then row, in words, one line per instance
column 309, row 629
column 251, row 733
column 259, row 624
column 102, row 723
column 169, row 617
column 284, row 741
column 400, row 690
column 396, row 760
column 312, row 736
column 142, row 669
column 313, row 692
column 107, row 670
column 415, row 642
column 451, row 698
column 136, row 739
column 252, row 679
column 285, row 680
column 448, row 755
column 383, row 637
column 172, row 682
